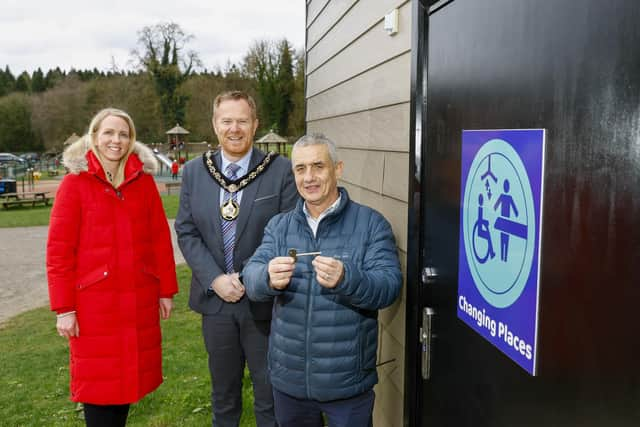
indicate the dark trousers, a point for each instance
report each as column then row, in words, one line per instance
column 233, row 338
column 355, row 411
column 105, row 415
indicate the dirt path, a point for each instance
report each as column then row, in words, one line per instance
column 22, row 279
column 23, row 282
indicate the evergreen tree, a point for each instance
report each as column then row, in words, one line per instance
column 286, row 86
column 297, row 115
column 260, row 65
column 38, row 83
column 23, row 82
column 7, row 81
column 3, row 84
column 53, row 77
column 270, row 66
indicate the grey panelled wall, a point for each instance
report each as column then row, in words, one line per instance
column 358, row 93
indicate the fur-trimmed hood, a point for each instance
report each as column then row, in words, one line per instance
column 74, row 157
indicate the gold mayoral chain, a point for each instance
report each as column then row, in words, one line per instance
column 231, row 209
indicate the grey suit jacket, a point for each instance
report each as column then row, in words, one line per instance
column 199, row 228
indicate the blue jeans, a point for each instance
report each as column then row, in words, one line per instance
column 356, row 411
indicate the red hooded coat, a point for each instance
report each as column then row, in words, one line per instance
column 109, row 257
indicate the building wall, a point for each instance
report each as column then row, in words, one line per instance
column 358, row 93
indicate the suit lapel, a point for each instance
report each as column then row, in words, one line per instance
column 216, row 218
column 248, row 195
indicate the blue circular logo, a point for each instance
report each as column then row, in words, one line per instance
column 499, row 223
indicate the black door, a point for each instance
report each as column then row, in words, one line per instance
column 571, row 67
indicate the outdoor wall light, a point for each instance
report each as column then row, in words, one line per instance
column 391, row 22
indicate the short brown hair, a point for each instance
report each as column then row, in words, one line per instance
column 235, row 95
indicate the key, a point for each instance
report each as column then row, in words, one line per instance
column 294, row 254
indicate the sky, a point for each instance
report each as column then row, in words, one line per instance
column 84, row 34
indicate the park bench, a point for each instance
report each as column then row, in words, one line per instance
column 31, row 199
column 172, row 185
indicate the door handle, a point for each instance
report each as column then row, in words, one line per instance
column 426, row 336
column 429, row 276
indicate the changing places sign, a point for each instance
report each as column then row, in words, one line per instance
column 498, row 280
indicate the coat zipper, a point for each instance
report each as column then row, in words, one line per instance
column 117, row 191
column 316, row 246
column 309, row 311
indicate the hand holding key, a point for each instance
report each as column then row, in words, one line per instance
column 280, row 271
column 329, row 271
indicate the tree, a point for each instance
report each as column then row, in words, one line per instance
column 23, row 82
column 38, row 83
column 53, row 77
column 202, row 89
column 16, row 133
column 260, row 64
column 297, row 114
column 270, row 65
column 7, row 81
column 285, row 85
column 164, row 57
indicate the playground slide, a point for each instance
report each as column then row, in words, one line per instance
column 163, row 158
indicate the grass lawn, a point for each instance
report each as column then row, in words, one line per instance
column 39, row 215
column 25, row 217
column 35, row 373
column 170, row 204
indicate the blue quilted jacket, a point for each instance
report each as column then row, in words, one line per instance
column 323, row 341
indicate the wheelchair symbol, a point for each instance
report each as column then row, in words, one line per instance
column 481, row 232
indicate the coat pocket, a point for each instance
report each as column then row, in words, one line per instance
column 265, row 198
column 92, row 277
column 150, row 274
column 149, row 279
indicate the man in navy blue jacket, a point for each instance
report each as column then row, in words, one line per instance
column 331, row 264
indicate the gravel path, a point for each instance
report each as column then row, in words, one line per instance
column 23, row 282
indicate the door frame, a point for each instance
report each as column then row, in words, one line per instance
column 416, row 298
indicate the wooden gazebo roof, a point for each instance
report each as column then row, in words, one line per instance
column 272, row 137
column 177, row 130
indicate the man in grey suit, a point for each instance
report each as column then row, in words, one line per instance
column 227, row 198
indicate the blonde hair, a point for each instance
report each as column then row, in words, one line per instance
column 91, row 138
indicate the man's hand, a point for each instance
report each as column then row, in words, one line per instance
column 329, row 271
column 166, row 305
column 280, row 272
column 67, row 326
column 228, row 287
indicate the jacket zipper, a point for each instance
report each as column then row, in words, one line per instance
column 309, row 311
column 117, row 191
column 316, row 245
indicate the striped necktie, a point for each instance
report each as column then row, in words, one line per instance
column 229, row 227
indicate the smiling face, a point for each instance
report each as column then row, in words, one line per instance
column 235, row 127
column 113, row 139
column 316, row 176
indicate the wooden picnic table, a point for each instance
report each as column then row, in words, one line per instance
column 173, row 184
column 27, row 198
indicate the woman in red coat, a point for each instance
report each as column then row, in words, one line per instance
column 110, row 268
